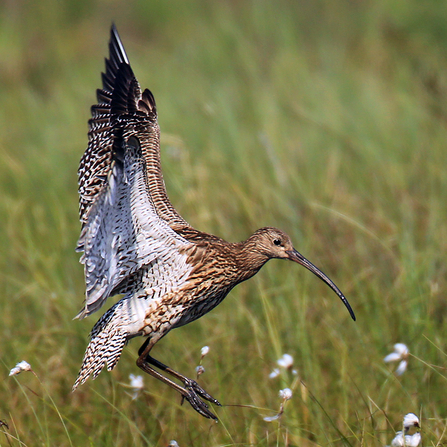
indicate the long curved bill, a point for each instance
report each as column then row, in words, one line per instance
column 300, row 259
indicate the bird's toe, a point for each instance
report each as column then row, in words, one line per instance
column 197, row 389
column 198, row 405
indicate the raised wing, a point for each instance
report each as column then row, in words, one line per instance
column 123, row 233
column 121, row 109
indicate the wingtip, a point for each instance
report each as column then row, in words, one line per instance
column 116, row 46
column 114, row 35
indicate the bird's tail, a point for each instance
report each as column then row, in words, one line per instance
column 107, row 340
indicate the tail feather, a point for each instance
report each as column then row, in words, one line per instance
column 107, row 340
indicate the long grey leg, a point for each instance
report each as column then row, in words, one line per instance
column 189, row 383
column 191, row 391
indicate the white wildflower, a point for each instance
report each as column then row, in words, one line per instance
column 274, row 373
column 20, row 367
column 136, row 383
column 410, row 420
column 402, row 440
column 203, row 352
column 285, row 394
column 286, row 361
column 401, row 352
column 173, row 443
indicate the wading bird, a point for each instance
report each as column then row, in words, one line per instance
column 136, row 244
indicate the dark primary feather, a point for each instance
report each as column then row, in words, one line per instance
column 122, row 111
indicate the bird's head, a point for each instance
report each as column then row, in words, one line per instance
column 274, row 243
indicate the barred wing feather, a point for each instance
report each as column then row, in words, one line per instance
column 123, row 232
column 121, row 99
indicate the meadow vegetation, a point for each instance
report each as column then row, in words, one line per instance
column 325, row 119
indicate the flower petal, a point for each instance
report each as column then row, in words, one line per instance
column 286, row 361
column 200, row 370
column 20, row 367
column 271, row 418
column 413, row 441
column 401, row 349
column 411, row 420
column 398, row 440
column 401, row 368
column 393, row 357
column 136, row 382
column 274, row 373
column 285, row 394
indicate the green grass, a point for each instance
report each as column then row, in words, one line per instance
column 325, row 119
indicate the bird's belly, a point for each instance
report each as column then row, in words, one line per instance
column 199, row 306
column 165, row 312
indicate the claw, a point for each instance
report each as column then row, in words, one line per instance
column 193, row 386
column 198, row 405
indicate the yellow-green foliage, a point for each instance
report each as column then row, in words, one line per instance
column 324, row 118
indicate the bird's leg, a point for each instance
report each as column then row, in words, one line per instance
column 189, row 394
column 191, row 391
column 189, row 383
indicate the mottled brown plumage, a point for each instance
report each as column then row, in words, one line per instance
column 136, row 244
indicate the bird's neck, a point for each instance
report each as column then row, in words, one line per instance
column 249, row 258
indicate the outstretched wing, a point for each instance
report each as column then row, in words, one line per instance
column 123, row 233
column 121, row 97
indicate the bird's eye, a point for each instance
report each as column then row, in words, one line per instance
column 277, row 242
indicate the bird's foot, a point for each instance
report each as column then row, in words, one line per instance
column 192, row 396
column 192, row 385
column 199, row 405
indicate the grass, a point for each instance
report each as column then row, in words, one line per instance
column 326, row 119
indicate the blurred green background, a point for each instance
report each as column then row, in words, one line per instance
column 324, row 118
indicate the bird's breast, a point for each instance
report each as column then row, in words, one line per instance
column 211, row 278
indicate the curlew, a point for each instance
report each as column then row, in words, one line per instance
column 135, row 243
